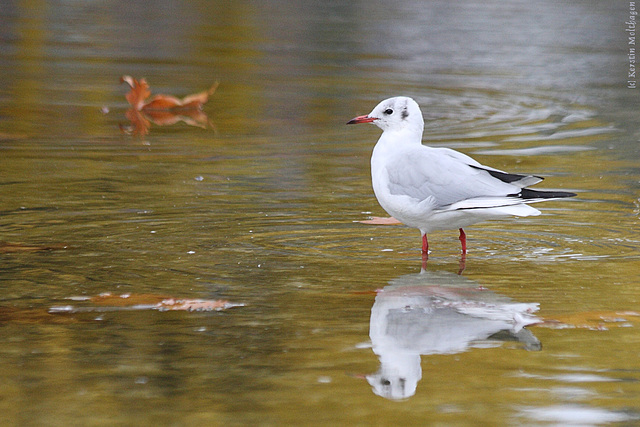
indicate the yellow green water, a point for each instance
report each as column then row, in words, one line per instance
column 262, row 211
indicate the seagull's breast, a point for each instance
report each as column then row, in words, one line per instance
column 399, row 187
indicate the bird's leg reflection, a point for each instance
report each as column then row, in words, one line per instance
column 425, row 258
column 462, row 264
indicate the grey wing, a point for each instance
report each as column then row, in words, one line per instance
column 511, row 178
column 446, row 177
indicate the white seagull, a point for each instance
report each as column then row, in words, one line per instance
column 439, row 188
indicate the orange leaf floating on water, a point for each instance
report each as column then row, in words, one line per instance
column 138, row 93
column 164, row 118
column 194, row 304
column 163, row 110
column 377, row 220
column 191, row 102
column 140, row 124
column 594, row 320
column 111, row 302
column 31, row 316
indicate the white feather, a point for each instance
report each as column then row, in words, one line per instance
column 436, row 188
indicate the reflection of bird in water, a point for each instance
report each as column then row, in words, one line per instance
column 438, row 313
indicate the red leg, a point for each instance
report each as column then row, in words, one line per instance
column 425, row 251
column 463, row 241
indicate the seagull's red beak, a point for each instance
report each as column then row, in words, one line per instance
column 361, row 119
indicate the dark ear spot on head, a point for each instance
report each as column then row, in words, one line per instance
column 405, row 111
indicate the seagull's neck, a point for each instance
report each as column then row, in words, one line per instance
column 404, row 136
column 392, row 143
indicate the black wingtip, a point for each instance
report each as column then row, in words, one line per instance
column 527, row 193
column 504, row 176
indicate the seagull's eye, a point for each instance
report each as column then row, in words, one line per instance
column 388, row 111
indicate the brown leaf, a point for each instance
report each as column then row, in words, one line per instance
column 191, row 117
column 194, row 304
column 30, row 316
column 162, row 109
column 197, row 99
column 138, row 93
column 113, row 302
column 377, row 220
column 191, row 102
column 162, row 102
column 6, row 247
column 125, row 300
column 594, row 320
column 140, row 124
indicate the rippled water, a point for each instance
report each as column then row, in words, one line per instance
column 332, row 321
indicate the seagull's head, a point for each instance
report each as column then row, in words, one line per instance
column 394, row 114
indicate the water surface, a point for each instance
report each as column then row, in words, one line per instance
column 262, row 208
